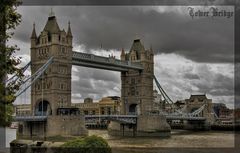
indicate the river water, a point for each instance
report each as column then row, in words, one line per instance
column 178, row 139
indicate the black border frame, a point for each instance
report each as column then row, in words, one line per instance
column 235, row 3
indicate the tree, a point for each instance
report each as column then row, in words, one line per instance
column 9, row 19
column 90, row 144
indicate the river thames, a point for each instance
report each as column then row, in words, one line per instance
column 179, row 138
column 178, row 142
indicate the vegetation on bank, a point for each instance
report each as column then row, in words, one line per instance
column 90, row 144
column 9, row 19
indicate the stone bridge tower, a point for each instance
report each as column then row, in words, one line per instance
column 53, row 90
column 137, row 96
column 196, row 101
column 137, row 86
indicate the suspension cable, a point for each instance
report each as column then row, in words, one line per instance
column 164, row 94
column 42, row 94
column 25, row 97
column 23, row 70
column 34, row 77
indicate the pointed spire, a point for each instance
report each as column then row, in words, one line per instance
column 137, row 37
column 51, row 13
column 151, row 50
column 34, row 35
column 69, row 32
column 123, row 52
column 137, row 46
column 52, row 25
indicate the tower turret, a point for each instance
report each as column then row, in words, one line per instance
column 69, row 34
column 151, row 50
column 123, row 55
column 138, row 48
column 33, row 36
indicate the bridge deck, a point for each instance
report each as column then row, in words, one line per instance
column 185, row 118
column 30, row 118
column 107, row 63
column 119, row 118
column 124, row 119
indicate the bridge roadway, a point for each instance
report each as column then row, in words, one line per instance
column 125, row 119
column 107, row 63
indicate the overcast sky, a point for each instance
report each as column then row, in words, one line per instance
column 192, row 55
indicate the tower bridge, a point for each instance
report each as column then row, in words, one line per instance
column 52, row 58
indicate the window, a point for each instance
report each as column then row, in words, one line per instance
column 102, row 111
column 109, row 110
column 132, row 81
column 63, row 50
column 85, row 112
column 61, row 86
column 44, row 85
column 132, row 91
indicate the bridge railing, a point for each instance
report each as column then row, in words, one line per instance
column 115, row 116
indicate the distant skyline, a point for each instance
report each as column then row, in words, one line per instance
column 192, row 55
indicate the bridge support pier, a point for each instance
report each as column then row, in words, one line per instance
column 147, row 125
column 196, row 125
column 122, row 129
column 53, row 126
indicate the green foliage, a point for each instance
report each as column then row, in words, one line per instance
column 91, row 144
column 9, row 19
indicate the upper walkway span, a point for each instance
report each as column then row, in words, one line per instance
column 107, row 63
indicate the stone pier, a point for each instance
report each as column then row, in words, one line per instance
column 147, row 126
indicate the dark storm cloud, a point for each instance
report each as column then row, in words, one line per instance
column 114, row 27
column 127, row 2
column 168, row 31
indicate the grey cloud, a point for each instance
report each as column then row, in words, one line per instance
column 97, row 74
column 182, row 80
column 216, row 84
column 95, row 83
column 114, row 27
column 191, row 76
column 201, row 40
column 84, row 83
